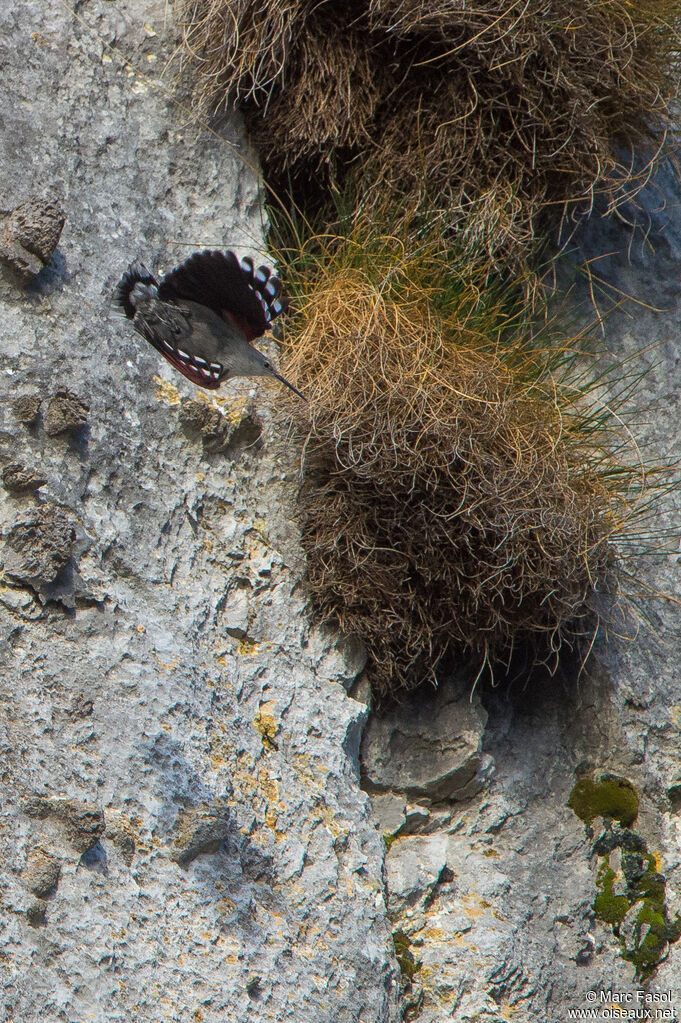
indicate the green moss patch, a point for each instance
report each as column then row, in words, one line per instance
column 405, row 957
column 609, row 907
column 388, row 837
column 630, row 889
column 610, row 797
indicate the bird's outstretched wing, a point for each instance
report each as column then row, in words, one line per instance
column 161, row 324
column 248, row 298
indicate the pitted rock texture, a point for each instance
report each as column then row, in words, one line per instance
column 181, row 695
column 232, row 869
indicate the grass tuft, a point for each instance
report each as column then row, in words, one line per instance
column 496, row 112
column 468, row 477
column 465, row 486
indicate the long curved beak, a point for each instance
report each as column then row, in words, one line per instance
column 283, row 380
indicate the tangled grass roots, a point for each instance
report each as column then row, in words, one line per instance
column 335, row 93
column 498, row 107
column 455, row 495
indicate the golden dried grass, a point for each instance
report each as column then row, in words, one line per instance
column 461, row 492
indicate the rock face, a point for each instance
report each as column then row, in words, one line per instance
column 183, row 829
column 511, row 906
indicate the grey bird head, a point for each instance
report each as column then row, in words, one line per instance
column 246, row 361
column 203, row 315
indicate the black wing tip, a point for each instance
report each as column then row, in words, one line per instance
column 208, row 257
column 136, row 273
column 195, row 277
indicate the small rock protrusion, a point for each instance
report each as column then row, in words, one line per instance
column 18, row 480
column 200, row 417
column 66, row 412
column 124, row 841
column 388, row 809
column 81, row 706
column 26, row 407
column 253, row 986
column 83, row 822
column 244, row 435
column 37, row 913
column 120, row 832
column 30, row 235
column 200, row 830
column 416, row 816
column 586, row 952
column 237, row 613
column 230, row 434
column 39, row 547
column 674, row 794
column 41, row 873
column 431, row 747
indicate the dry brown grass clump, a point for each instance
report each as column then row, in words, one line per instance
column 336, row 95
column 458, row 495
column 492, row 110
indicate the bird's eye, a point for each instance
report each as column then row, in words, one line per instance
column 267, row 365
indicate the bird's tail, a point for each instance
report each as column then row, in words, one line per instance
column 136, row 273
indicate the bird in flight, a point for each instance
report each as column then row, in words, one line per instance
column 203, row 315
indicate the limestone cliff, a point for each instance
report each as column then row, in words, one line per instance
column 183, row 827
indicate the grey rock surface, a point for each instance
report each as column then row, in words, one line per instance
column 182, row 832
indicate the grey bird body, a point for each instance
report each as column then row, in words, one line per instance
column 196, row 336
column 207, row 340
